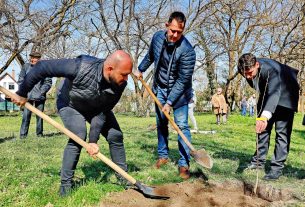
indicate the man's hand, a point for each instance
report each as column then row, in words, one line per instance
column 261, row 124
column 93, row 149
column 166, row 108
column 19, row 100
column 138, row 74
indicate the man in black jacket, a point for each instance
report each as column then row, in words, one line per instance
column 36, row 97
column 91, row 88
column 278, row 91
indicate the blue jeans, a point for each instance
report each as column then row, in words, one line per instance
column 26, row 119
column 243, row 110
column 181, row 119
column 251, row 111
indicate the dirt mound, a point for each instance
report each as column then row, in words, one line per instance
column 195, row 194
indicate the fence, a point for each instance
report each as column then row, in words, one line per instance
column 8, row 106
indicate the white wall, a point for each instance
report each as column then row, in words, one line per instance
column 6, row 82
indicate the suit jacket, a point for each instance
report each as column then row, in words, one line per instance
column 277, row 86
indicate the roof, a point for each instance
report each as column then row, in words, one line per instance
column 1, row 77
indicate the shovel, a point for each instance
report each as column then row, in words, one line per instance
column 200, row 156
column 147, row 191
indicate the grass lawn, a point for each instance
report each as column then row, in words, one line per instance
column 29, row 169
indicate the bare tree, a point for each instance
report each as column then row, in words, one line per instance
column 238, row 26
column 24, row 23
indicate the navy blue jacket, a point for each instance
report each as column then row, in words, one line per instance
column 277, row 85
column 38, row 93
column 180, row 71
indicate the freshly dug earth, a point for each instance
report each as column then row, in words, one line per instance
column 188, row 194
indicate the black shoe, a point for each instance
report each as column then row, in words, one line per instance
column 273, row 175
column 253, row 166
column 65, row 190
column 39, row 135
column 125, row 183
column 22, row 137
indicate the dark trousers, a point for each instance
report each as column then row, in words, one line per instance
column 26, row 119
column 283, row 120
column 76, row 122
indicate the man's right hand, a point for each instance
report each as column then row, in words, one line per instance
column 138, row 74
column 19, row 100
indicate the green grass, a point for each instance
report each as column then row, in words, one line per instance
column 29, row 169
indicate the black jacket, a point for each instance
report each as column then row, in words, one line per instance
column 84, row 88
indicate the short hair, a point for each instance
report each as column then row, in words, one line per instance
column 245, row 62
column 177, row 15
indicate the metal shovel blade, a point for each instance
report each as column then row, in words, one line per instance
column 150, row 192
column 202, row 158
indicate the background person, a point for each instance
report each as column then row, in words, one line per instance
column 243, row 106
column 252, row 104
column 36, row 97
column 219, row 106
column 191, row 107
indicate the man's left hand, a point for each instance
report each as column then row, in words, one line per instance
column 166, row 108
column 93, row 149
column 261, row 125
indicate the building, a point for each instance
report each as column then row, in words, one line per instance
column 9, row 82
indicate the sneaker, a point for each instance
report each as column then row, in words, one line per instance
column 273, row 175
column 160, row 162
column 184, row 172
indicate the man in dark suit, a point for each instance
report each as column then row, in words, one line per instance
column 278, row 91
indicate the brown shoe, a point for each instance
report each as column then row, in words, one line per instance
column 184, row 173
column 160, row 162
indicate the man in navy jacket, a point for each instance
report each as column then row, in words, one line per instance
column 37, row 97
column 174, row 61
column 91, row 88
column 278, row 101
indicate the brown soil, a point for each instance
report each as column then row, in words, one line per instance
column 187, row 194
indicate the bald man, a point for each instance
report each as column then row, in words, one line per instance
column 90, row 90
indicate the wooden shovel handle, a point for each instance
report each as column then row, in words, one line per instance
column 72, row 136
column 167, row 115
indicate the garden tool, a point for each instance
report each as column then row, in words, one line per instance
column 149, row 192
column 200, row 156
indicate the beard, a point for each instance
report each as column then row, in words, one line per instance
column 114, row 84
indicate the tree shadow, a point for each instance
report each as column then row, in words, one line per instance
column 52, row 134
column 198, row 173
column 153, row 149
column 9, row 138
column 299, row 133
column 244, row 159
